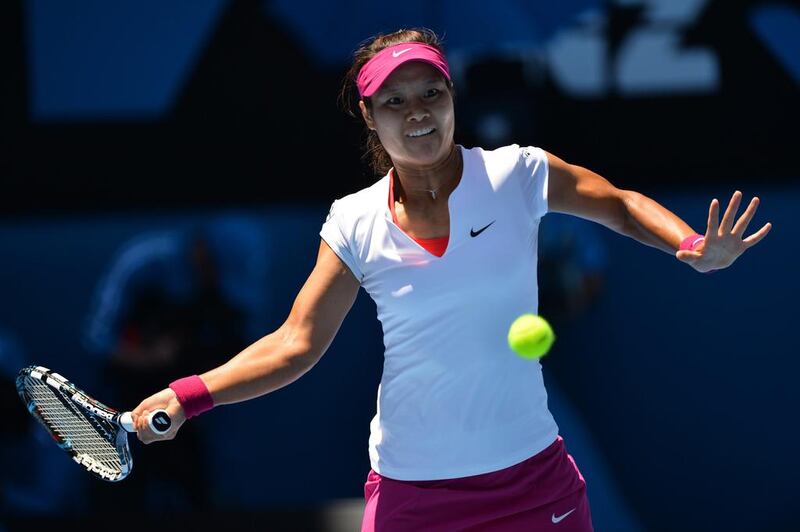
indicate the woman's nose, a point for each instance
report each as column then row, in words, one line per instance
column 418, row 114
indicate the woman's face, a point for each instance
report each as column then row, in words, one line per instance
column 413, row 115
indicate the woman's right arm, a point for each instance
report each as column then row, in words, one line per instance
column 279, row 358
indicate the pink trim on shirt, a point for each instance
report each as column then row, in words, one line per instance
column 434, row 246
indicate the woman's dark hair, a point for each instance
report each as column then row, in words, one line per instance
column 349, row 97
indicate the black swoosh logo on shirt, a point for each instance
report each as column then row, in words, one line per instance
column 473, row 233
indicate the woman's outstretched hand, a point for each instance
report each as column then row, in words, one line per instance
column 724, row 241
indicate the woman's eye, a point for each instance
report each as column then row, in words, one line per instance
column 432, row 92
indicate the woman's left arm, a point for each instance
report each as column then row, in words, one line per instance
column 580, row 192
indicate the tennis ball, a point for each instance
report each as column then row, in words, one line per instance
column 530, row 336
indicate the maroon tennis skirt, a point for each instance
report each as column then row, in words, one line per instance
column 545, row 492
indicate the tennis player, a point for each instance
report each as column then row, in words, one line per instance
column 446, row 243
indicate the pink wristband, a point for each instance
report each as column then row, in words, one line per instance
column 192, row 395
column 691, row 242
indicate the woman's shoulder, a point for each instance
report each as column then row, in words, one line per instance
column 365, row 195
column 511, row 151
column 505, row 159
column 363, row 203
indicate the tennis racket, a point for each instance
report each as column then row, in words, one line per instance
column 95, row 435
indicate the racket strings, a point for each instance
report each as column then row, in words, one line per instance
column 85, row 434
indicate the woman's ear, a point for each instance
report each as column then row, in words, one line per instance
column 365, row 113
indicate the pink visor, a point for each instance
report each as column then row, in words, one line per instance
column 376, row 70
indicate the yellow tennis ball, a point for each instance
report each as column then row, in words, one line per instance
column 530, row 336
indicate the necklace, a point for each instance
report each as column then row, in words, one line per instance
column 432, row 192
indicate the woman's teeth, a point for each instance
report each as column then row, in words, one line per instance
column 421, row 132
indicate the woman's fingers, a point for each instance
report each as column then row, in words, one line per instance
column 730, row 213
column 688, row 256
column 713, row 220
column 142, row 427
column 756, row 237
column 744, row 220
column 146, row 434
column 163, row 400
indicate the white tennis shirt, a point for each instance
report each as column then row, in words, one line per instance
column 454, row 400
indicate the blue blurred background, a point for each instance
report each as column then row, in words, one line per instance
column 166, row 168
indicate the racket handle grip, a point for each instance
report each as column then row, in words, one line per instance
column 158, row 420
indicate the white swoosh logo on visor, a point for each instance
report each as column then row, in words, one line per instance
column 399, row 53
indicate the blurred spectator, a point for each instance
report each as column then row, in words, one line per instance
column 230, row 251
column 175, row 303
column 572, row 263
